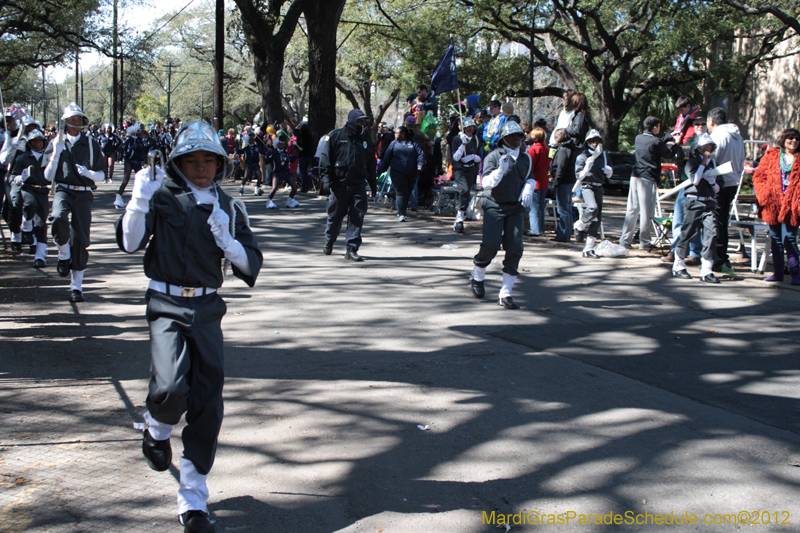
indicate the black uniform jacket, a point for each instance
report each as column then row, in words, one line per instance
column 510, row 187
column 34, row 166
column 181, row 249
column 347, row 158
column 78, row 154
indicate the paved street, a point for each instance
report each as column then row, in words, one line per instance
column 615, row 388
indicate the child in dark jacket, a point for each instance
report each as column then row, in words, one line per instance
column 281, row 172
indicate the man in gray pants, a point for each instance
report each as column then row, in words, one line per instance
column 644, row 183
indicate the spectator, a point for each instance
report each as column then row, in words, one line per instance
column 579, row 123
column 541, row 122
column 386, row 136
column 565, row 115
column 684, row 127
column 426, row 101
column 491, row 132
column 473, row 106
column 563, row 171
column 540, row 157
column 695, row 246
column 306, row 145
column 730, row 148
column 405, row 159
column 644, row 183
column 230, row 142
column 776, row 184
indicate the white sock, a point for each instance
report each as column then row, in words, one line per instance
column 76, row 279
column 158, row 430
column 590, row 241
column 705, row 266
column 193, row 492
column 478, row 273
column 460, row 216
column 508, row 285
column 579, row 225
column 27, row 225
column 35, row 241
column 679, row 264
column 41, row 251
column 63, row 252
column 16, row 237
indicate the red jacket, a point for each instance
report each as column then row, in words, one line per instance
column 540, row 156
column 775, row 206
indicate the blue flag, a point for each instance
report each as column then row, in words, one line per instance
column 444, row 77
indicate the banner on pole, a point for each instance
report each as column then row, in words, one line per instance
column 444, row 77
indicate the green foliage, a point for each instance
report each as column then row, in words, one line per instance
column 150, row 109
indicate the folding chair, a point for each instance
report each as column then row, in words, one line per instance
column 662, row 226
column 444, row 199
column 384, row 186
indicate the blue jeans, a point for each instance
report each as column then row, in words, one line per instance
column 412, row 200
column 536, row 211
column 784, row 236
column 564, row 208
column 696, row 246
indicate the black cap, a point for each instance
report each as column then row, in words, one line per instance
column 700, row 115
column 495, row 103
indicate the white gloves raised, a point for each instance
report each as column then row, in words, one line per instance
column 527, row 194
column 143, row 187
column 475, row 158
column 94, row 175
column 464, row 138
column 220, row 222
column 608, row 170
column 503, row 163
column 459, row 155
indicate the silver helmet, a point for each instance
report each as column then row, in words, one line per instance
column 106, row 126
column 468, row 122
column 197, row 136
column 594, row 134
column 72, row 110
column 35, row 134
column 510, row 127
column 704, row 139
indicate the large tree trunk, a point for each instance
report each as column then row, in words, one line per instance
column 322, row 21
column 259, row 21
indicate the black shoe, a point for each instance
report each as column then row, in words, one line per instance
column 507, row 302
column 458, row 227
column 580, row 236
column 591, row 253
column 352, row 255
column 157, row 453
column 76, row 296
column 32, row 250
column 196, row 522
column 63, row 267
column 16, row 247
column 39, row 263
column 27, row 237
column 681, row 274
column 327, row 248
column 477, row 289
column 709, row 278
column 529, row 233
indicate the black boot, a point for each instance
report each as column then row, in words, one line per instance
column 477, row 289
column 157, row 453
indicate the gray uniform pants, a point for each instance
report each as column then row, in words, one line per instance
column 641, row 206
column 34, row 207
column 502, row 224
column 698, row 215
column 15, row 207
column 592, row 208
column 465, row 180
column 72, row 219
column 187, row 358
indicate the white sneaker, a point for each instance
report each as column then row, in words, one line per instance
column 119, row 203
column 291, row 202
column 258, row 191
column 271, row 205
column 401, row 218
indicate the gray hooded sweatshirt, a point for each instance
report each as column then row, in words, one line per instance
column 730, row 147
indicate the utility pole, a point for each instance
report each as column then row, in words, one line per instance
column 115, row 80
column 169, row 85
column 44, row 99
column 121, row 88
column 82, row 100
column 530, row 80
column 219, row 58
column 77, row 82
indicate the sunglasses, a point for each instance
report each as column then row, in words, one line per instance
column 699, row 123
column 793, row 138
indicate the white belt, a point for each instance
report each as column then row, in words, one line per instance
column 175, row 290
column 700, row 198
column 74, row 187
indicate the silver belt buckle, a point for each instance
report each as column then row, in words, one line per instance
column 188, row 292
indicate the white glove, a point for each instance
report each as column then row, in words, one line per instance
column 143, row 187
column 475, row 158
column 94, row 175
column 527, row 194
column 464, row 138
column 59, row 142
column 608, row 170
column 220, row 222
column 18, row 180
column 503, row 163
column 459, row 155
column 577, row 185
